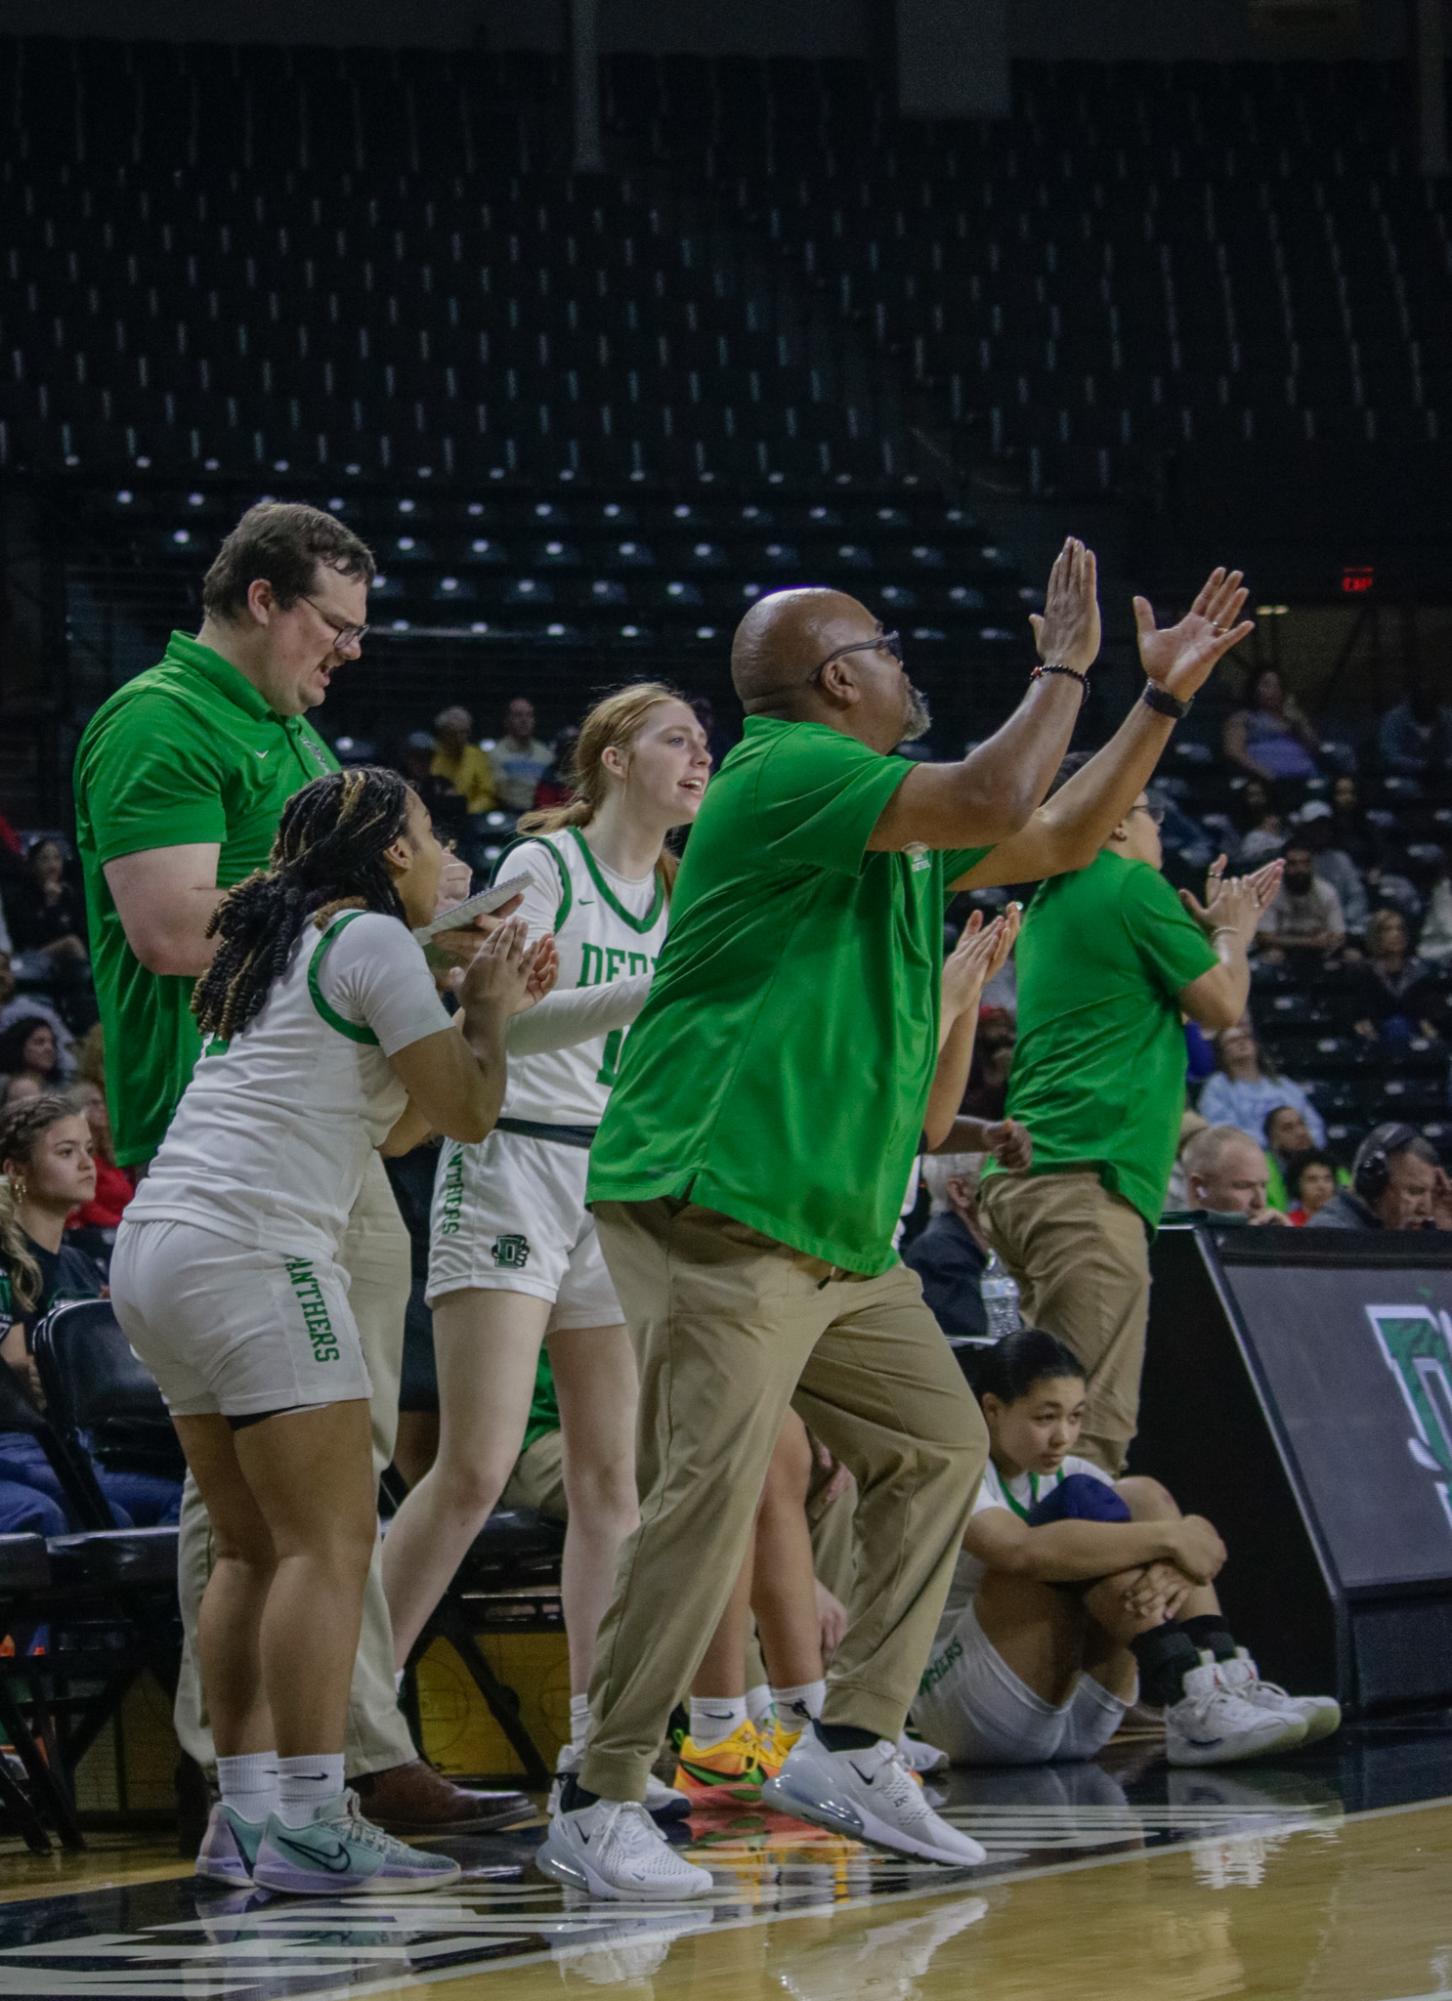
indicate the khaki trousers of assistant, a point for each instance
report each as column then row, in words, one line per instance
column 729, row 1329
column 375, row 1254
column 1081, row 1259
column 538, row 1479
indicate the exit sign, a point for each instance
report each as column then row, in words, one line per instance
column 1357, row 579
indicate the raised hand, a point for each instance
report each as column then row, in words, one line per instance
column 979, row 954
column 544, row 969
column 497, row 979
column 1179, row 658
column 461, row 945
column 1066, row 631
column 1234, row 903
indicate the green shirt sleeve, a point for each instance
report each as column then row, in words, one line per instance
column 819, row 795
column 958, row 861
column 1173, row 947
column 148, row 784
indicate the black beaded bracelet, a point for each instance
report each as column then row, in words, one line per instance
column 1057, row 667
column 1164, row 703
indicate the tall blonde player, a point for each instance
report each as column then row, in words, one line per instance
column 514, row 1259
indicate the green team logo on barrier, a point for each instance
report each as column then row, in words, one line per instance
column 511, row 1253
column 1416, row 1344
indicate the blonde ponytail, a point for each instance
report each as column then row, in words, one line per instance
column 612, row 724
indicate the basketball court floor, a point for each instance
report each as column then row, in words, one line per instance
column 1329, row 1876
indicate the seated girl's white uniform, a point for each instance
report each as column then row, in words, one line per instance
column 225, row 1276
column 969, row 1700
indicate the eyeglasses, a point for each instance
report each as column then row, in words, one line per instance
column 885, row 642
column 347, row 635
column 1155, row 814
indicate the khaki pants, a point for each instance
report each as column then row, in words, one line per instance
column 375, row 1254
column 538, row 1479
column 1081, row 1259
column 729, row 1329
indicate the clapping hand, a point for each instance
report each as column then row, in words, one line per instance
column 1179, row 658
column 978, row 957
column 1234, row 903
column 505, row 971
column 1066, row 631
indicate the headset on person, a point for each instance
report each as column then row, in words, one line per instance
column 1371, row 1169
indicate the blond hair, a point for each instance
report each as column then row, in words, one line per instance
column 612, row 724
column 21, row 1127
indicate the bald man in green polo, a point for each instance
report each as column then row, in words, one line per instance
column 749, row 1171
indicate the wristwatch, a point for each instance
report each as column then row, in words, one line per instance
column 1165, row 704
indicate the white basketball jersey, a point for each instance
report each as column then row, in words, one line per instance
column 606, row 928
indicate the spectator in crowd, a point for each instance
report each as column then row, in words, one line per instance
column 949, row 1255
column 29, row 1048
column 1434, row 941
column 1259, row 821
column 1351, row 831
column 18, row 1089
column 16, row 1007
column 115, row 1185
column 519, row 760
column 45, row 1172
column 1316, row 827
column 1228, row 1173
column 1306, row 925
column 992, row 1061
column 557, row 785
column 45, row 913
column 1247, row 1089
column 1395, row 1179
column 1395, row 992
column 448, row 808
column 459, row 761
column 1311, row 1178
column 1416, row 736
column 1271, row 738
column 1177, row 1193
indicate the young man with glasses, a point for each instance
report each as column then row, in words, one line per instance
column 180, row 781
column 747, row 1176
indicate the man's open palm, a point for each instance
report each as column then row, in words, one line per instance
column 1179, row 658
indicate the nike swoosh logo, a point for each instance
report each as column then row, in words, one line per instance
column 261, row 753
column 867, row 1778
column 337, row 1862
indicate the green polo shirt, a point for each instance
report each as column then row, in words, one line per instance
column 1099, row 1067
column 780, row 1069
column 188, row 752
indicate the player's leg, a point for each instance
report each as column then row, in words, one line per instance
column 718, row 1750
column 784, row 1595
column 486, row 1349
column 1000, row 1684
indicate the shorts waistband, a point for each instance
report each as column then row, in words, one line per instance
column 582, row 1136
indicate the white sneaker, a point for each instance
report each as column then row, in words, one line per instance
column 614, row 1849
column 870, row 1795
column 1321, row 1714
column 662, row 1802
column 920, row 1757
column 1212, row 1725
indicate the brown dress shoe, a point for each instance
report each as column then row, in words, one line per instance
column 415, row 1799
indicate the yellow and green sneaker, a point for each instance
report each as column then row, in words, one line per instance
column 727, row 1773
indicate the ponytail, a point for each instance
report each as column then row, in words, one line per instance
column 328, row 855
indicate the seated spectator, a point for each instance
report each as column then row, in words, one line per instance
column 1074, row 1595
column 1311, row 1178
column 16, row 1090
column 1306, row 925
column 557, row 785
column 1351, row 831
column 1177, row 1192
column 1332, row 864
column 1247, row 1089
column 1227, row 1173
column 1395, row 1179
column 45, row 912
column 46, row 1172
column 15, row 1007
column 950, row 1254
column 519, row 760
column 987, row 1092
column 1259, row 822
column 1416, row 736
column 448, row 808
column 1434, row 942
column 115, row 1185
column 460, row 762
column 29, row 1048
column 1271, row 738
column 1396, row 995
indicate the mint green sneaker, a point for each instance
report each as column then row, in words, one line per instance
column 340, row 1854
column 229, row 1846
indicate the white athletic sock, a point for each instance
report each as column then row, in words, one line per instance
column 758, row 1704
column 714, row 1717
column 249, row 1783
column 579, row 1721
column 304, row 1784
column 796, row 1707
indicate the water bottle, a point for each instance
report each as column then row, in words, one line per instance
column 999, row 1290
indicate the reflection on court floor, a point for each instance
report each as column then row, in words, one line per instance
column 177, row 1941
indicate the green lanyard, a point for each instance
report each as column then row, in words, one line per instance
column 1018, row 1507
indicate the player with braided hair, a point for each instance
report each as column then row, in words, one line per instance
column 325, row 1039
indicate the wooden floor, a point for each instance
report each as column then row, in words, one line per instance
column 1329, row 1878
